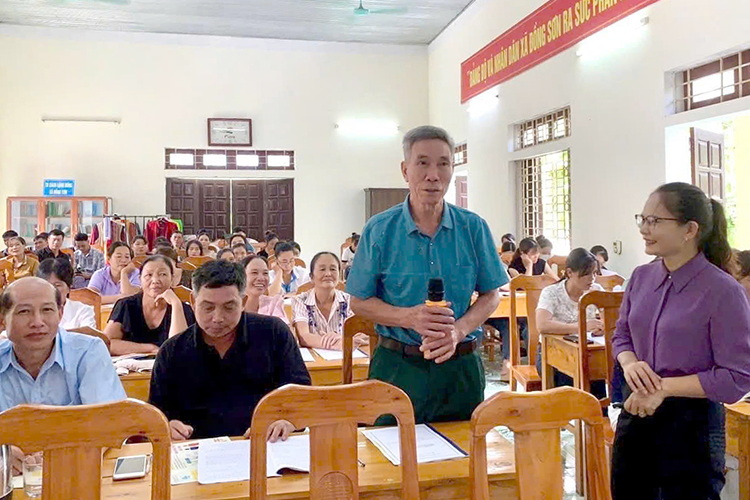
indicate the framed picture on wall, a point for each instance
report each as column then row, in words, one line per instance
column 230, row 132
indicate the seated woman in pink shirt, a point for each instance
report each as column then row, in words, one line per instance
column 256, row 270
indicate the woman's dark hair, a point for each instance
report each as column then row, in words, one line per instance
column 743, row 263
column 167, row 252
column 508, row 237
column 283, row 246
column 162, row 242
column 140, row 237
column 581, row 261
column 525, row 246
column 543, row 242
column 217, row 274
column 223, row 251
column 237, row 235
column 355, row 238
column 600, row 251
column 689, row 203
column 159, row 258
column 319, row 255
column 247, row 260
column 296, row 246
column 117, row 244
column 59, row 267
column 508, row 246
column 193, row 242
column 239, row 245
column 269, row 235
column 202, row 232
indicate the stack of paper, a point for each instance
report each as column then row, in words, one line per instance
column 596, row 339
column 431, row 445
column 185, row 460
column 307, row 356
column 331, row 355
column 224, row 462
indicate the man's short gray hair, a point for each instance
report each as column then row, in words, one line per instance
column 426, row 133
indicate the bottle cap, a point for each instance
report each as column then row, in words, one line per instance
column 435, row 290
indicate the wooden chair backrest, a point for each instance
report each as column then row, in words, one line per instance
column 182, row 254
column 299, row 262
column 352, row 326
column 193, row 263
column 609, row 303
column 138, row 261
column 536, row 419
column 67, row 251
column 506, row 257
column 559, row 261
column 184, row 294
column 91, row 298
column 332, row 414
column 86, row 330
column 533, row 285
column 72, row 439
column 610, row 282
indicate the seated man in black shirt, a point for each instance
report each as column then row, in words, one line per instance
column 54, row 247
column 209, row 379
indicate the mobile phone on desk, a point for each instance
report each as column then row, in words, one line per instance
column 133, row 467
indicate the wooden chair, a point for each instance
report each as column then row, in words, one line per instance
column 536, row 420
column 182, row 254
column 299, row 262
column 94, row 333
column 332, row 414
column 610, row 282
column 352, row 326
column 72, row 439
column 526, row 375
column 138, row 261
column 193, row 263
column 184, row 294
column 561, row 263
column 91, row 298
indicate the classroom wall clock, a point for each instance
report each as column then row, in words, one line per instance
column 230, row 132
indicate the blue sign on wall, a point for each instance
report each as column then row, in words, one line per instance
column 59, row 187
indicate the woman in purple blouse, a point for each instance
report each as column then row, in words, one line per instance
column 683, row 341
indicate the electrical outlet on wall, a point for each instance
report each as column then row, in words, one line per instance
column 617, row 247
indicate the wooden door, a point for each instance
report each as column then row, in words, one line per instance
column 708, row 162
column 182, row 203
column 279, row 207
column 462, row 191
column 213, row 200
column 381, row 199
column 247, row 207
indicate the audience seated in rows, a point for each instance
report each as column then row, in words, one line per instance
column 204, row 238
column 318, row 315
column 271, row 240
column 119, row 278
column 142, row 322
column 59, row 274
column 258, row 302
column 54, row 247
column 527, row 260
column 285, row 276
column 209, row 379
column 21, row 264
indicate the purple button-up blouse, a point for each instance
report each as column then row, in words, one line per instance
column 695, row 320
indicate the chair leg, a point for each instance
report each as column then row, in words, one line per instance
column 580, row 459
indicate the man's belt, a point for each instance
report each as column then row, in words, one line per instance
column 462, row 349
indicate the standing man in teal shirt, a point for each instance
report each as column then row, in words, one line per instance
column 428, row 351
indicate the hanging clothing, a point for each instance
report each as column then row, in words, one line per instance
column 159, row 228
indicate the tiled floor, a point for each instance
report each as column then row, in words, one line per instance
column 494, row 385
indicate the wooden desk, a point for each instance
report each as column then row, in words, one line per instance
column 503, row 308
column 106, row 312
column 322, row 372
column 377, row 479
column 738, row 442
column 564, row 355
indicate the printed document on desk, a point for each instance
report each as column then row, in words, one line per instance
column 185, row 459
column 431, row 445
column 331, row 355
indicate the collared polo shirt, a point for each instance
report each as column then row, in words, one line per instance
column 395, row 261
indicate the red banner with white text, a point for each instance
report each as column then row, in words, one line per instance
column 555, row 26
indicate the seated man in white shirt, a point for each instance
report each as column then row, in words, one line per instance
column 285, row 277
column 60, row 274
column 41, row 363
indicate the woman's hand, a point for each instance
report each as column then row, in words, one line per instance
column 527, row 262
column 644, row 405
column 128, row 269
column 169, row 298
column 595, row 326
column 331, row 341
column 360, row 339
column 641, row 378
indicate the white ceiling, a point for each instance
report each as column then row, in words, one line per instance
column 323, row 20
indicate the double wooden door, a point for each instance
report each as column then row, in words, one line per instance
column 220, row 205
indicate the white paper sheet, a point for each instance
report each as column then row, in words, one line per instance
column 431, row 445
column 330, row 355
column 294, row 454
column 307, row 356
column 185, row 460
column 223, row 462
column 596, row 339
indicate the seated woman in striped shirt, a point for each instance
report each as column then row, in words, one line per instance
column 318, row 315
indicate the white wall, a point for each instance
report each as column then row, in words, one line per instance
column 618, row 108
column 164, row 87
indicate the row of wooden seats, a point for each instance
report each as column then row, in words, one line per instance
column 72, row 439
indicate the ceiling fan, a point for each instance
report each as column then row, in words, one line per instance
column 362, row 11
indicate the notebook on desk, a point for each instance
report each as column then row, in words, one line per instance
column 432, row 446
